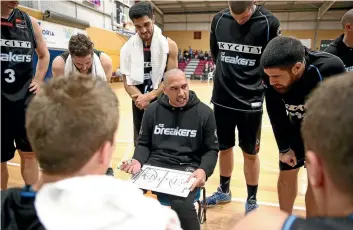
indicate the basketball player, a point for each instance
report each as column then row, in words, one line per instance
column 292, row 72
column 238, row 36
column 82, row 55
column 343, row 45
column 142, row 16
column 328, row 134
column 63, row 121
column 21, row 36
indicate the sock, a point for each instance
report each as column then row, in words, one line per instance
column 225, row 182
column 252, row 190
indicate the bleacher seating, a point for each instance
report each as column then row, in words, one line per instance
column 182, row 65
column 194, row 68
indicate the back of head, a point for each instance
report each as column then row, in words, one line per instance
column 80, row 45
column 347, row 18
column 69, row 120
column 140, row 10
column 239, row 7
column 327, row 129
column 282, row 52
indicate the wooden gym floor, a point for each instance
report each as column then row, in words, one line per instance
column 222, row 217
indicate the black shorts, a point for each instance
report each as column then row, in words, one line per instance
column 137, row 115
column 249, row 128
column 298, row 148
column 13, row 128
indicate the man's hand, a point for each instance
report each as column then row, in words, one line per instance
column 34, row 86
column 142, row 101
column 288, row 158
column 200, row 176
column 131, row 166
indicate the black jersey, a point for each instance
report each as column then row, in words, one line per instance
column 286, row 111
column 341, row 50
column 17, row 49
column 322, row 223
column 237, row 50
column 147, row 85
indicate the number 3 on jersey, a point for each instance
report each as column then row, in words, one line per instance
column 11, row 75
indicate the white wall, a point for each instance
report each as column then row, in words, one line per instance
column 289, row 21
column 97, row 16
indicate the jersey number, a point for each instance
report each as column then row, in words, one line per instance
column 11, row 78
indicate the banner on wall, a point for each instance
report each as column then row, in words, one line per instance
column 57, row 36
column 306, row 42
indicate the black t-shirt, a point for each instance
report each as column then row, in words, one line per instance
column 17, row 49
column 237, row 50
column 286, row 111
column 319, row 223
column 147, row 85
column 338, row 48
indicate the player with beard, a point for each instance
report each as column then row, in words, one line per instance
column 238, row 36
column 83, row 58
column 327, row 133
column 292, row 72
column 21, row 36
column 146, row 91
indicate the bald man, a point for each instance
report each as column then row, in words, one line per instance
column 178, row 132
column 342, row 47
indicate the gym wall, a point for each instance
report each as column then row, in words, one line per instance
column 302, row 25
column 108, row 41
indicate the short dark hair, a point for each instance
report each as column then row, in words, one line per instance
column 347, row 17
column 238, row 7
column 80, row 45
column 69, row 120
column 327, row 128
column 282, row 52
column 140, row 10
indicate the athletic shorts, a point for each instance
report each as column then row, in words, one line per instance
column 13, row 129
column 298, row 148
column 249, row 128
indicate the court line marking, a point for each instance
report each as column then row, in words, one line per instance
column 267, row 204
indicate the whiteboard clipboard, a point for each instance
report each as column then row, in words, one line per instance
column 163, row 180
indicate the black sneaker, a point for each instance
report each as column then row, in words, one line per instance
column 110, row 172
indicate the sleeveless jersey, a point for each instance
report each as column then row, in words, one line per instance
column 147, row 85
column 17, row 49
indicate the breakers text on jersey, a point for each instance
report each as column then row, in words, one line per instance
column 160, row 130
column 11, row 57
column 296, row 111
column 240, row 48
column 237, row 60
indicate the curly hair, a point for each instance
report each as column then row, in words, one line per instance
column 80, row 45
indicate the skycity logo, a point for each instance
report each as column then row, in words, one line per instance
column 16, row 43
column 240, row 48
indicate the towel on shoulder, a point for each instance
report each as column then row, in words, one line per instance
column 132, row 62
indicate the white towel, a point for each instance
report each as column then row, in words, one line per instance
column 97, row 68
column 100, row 203
column 132, row 62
